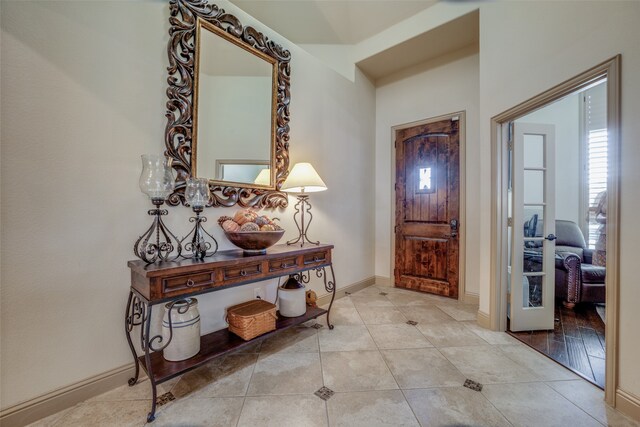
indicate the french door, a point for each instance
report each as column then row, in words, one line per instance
column 532, row 227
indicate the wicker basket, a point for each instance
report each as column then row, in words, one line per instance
column 252, row 318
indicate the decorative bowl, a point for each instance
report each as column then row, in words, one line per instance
column 254, row 242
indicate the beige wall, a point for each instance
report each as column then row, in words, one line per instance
column 439, row 87
column 525, row 49
column 83, row 94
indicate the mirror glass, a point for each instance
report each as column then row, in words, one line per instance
column 233, row 120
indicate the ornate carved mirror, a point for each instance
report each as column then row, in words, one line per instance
column 228, row 107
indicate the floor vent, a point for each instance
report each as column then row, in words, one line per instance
column 165, row 398
column 324, row 393
column 412, row 322
column 384, row 294
column 316, row 326
column 473, row 385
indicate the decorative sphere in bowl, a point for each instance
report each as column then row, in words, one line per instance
column 254, row 242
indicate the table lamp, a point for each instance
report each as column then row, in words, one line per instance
column 264, row 177
column 303, row 179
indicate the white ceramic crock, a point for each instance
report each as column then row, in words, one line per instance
column 185, row 322
column 293, row 302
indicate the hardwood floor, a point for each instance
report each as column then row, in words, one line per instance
column 577, row 341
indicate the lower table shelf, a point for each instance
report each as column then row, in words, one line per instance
column 217, row 344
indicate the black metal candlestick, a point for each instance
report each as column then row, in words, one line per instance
column 165, row 242
column 302, row 206
column 198, row 244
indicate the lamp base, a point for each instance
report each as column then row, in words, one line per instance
column 198, row 242
column 302, row 240
column 165, row 243
column 302, row 206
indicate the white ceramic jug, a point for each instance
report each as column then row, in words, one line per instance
column 293, row 302
column 185, row 322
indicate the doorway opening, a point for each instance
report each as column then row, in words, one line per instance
column 557, row 244
column 554, row 281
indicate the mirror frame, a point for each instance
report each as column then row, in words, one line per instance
column 181, row 108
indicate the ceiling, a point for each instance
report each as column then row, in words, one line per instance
column 450, row 37
column 331, row 21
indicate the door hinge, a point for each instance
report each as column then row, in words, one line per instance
column 395, row 229
column 510, row 222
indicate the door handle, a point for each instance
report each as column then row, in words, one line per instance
column 454, row 227
column 551, row 237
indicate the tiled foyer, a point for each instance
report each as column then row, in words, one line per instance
column 384, row 372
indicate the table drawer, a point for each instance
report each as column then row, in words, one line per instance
column 315, row 258
column 242, row 271
column 188, row 281
column 283, row 264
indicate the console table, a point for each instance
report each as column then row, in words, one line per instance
column 170, row 282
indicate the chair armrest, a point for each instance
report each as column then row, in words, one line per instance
column 588, row 256
column 571, row 263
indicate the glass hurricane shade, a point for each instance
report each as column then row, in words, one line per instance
column 264, row 177
column 303, row 178
column 197, row 194
column 156, row 179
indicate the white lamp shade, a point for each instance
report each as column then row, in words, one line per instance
column 303, row 178
column 263, row 178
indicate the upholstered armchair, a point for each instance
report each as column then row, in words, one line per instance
column 577, row 280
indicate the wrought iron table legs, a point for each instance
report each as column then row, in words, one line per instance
column 135, row 316
column 329, row 284
column 139, row 314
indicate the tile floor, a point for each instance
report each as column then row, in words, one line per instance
column 383, row 371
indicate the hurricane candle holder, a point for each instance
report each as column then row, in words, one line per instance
column 158, row 243
column 198, row 242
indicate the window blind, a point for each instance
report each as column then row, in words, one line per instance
column 595, row 104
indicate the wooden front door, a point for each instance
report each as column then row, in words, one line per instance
column 427, row 207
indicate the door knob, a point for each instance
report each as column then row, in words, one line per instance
column 551, row 237
column 454, row 227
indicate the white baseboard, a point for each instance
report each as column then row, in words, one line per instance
column 471, row 299
column 483, row 320
column 628, row 404
column 383, row 281
column 55, row 401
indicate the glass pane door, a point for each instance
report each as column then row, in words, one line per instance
column 532, row 253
